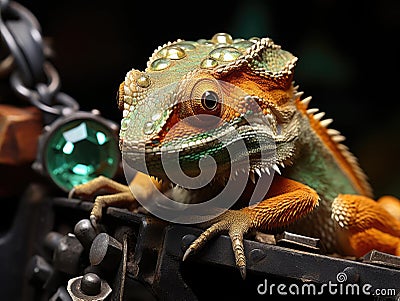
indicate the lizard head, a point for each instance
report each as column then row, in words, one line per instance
column 200, row 99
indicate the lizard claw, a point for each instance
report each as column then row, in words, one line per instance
column 187, row 253
column 93, row 221
column 71, row 193
column 96, row 213
column 237, row 223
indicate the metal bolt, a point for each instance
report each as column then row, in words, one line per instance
column 39, row 271
column 67, row 255
column 105, row 252
column 91, row 284
column 79, row 287
column 187, row 240
column 256, row 255
column 85, row 233
column 352, row 274
column 52, row 239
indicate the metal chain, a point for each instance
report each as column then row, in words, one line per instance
column 33, row 77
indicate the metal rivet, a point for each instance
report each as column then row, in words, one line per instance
column 352, row 275
column 74, row 288
column 256, row 255
column 187, row 240
column 91, row 284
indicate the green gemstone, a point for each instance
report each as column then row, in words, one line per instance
column 79, row 151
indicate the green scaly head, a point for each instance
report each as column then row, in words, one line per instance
column 230, row 100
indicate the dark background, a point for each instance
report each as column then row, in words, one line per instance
column 348, row 57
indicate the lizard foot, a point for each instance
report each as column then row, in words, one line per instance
column 120, row 200
column 99, row 185
column 287, row 201
column 237, row 223
column 117, row 195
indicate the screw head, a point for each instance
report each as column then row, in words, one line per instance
column 81, row 289
column 91, row 284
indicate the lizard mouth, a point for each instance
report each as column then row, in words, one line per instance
column 250, row 145
column 205, row 126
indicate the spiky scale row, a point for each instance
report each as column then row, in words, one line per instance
column 336, row 137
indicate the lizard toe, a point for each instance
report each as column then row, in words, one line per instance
column 237, row 223
column 204, row 237
column 71, row 193
column 93, row 221
column 97, row 211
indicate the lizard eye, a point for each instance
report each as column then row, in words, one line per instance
column 206, row 97
column 203, row 104
column 209, row 100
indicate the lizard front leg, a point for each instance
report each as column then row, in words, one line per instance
column 368, row 224
column 286, row 201
column 114, row 193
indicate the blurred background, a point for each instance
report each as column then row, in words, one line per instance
column 348, row 57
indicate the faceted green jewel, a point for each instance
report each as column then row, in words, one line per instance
column 80, row 151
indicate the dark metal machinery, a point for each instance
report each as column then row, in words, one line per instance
column 55, row 249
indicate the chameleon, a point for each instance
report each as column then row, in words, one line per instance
column 317, row 187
